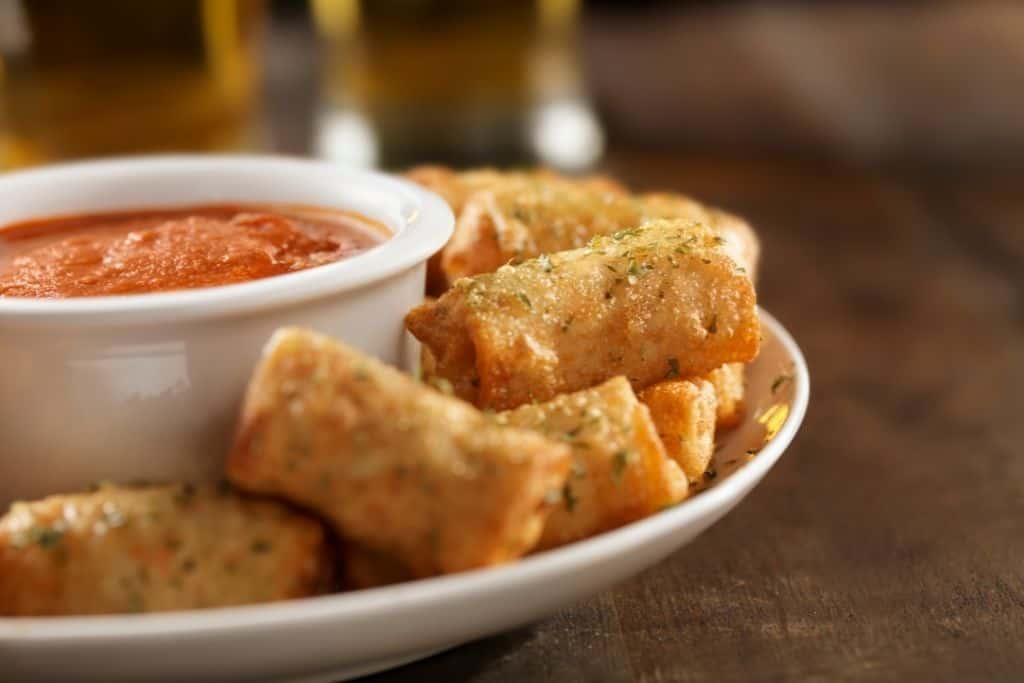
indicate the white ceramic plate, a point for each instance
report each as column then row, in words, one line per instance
column 346, row 635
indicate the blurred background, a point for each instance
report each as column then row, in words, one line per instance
column 569, row 83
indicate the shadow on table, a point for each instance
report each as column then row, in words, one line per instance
column 459, row 663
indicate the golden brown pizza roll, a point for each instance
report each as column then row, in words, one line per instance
column 457, row 187
column 513, row 222
column 730, row 386
column 684, row 413
column 156, row 548
column 392, row 464
column 620, row 471
column 655, row 302
column 740, row 241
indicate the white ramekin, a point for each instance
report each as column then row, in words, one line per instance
column 147, row 387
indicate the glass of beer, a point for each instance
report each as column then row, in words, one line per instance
column 85, row 78
column 457, row 81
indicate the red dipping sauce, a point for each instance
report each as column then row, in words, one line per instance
column 146, row 251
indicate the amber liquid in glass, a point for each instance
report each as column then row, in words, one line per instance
column 448, row 80
column 84, row 78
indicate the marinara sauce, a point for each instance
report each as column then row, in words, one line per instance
column 147, row 251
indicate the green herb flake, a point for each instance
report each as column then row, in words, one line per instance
column 569, row 498
column 260, row 546
column 46, row 537
column 184, row 495
column 135, row 603
column 780, row 381
column 525, row 300
column 673, row 368
column 619, row 462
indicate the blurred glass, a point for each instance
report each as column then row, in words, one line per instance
column 456, row 81
column 83, row 78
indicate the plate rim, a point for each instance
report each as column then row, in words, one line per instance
column 431, row 591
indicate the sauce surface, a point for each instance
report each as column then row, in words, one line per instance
column 140, row 252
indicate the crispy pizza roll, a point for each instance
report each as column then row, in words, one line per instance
column 156, row 548
column 457, row 188
column 392, row 464
column 513, row 222
column 740, row 241
column 620, row 471
column 730, row 386
column 651, row 303
column 684, row 413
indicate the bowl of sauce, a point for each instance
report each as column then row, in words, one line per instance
column 135, row 296
column 142, row 252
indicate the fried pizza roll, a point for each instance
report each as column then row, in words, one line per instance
column 684, row 413
column 620, row 471
column 654, row 302
column 740, row 241
column 457, row 187
column 500, row 224
column 156, row 548
column 729, row 385
column 392, row 464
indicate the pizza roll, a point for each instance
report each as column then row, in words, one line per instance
column 156, row 548
column 458, row 187
column 513, row 222
column 684, row 413
column 729, row 384
column 651, row 303
column 740, row 241
column 620, row 471
column 392, row 464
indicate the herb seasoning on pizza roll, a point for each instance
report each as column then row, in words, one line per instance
column 513, row 222
column 620, row 471
column 656, row 302
column 458, row 187
column 156, row 548
column 392, row 464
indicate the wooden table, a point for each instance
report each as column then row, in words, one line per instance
column 888, row 543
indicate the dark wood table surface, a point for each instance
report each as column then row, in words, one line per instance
column 888, row 543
